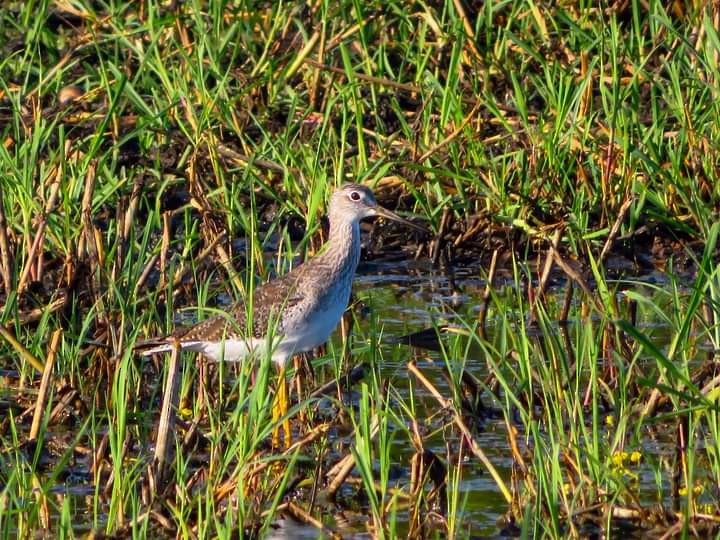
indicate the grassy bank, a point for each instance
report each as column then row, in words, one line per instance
column 157, row 159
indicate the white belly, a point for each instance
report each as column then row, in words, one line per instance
column 302, row 336
column 230, row 350
column 301, row 333
column 307, row 333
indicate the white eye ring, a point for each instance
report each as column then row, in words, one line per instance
column 354, row 196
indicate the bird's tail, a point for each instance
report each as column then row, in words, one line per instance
column 152, row 346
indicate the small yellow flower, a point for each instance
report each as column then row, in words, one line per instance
column 630, row 476
column 626, row 474
column 636, row 456
column 185, row 413
column 609, row 420
column 682, row 491
column 619, row 458
column 698, row 489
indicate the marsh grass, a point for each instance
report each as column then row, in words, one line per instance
column 193, row 161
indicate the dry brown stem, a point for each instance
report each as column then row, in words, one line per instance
column 45, row 386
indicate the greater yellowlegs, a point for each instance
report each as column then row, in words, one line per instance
column 299, row 309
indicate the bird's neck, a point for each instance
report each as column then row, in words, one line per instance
column 344, row 244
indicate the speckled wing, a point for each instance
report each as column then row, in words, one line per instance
column 268, row 300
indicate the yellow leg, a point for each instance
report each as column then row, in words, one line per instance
column 280, row 409
column 285, row 407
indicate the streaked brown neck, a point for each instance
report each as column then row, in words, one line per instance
column 343, row 244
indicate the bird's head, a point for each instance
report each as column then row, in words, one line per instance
column 353, row 202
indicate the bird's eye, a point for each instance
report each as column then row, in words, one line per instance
column 354, row 196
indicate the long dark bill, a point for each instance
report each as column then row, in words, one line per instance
column 384, row 212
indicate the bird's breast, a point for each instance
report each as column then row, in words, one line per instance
column 312, row 326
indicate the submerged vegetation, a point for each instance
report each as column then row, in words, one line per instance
column 559, row 375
